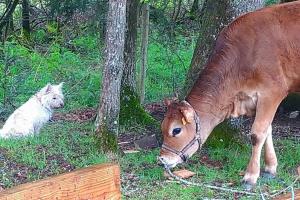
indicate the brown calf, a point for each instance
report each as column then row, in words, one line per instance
column 254, row 65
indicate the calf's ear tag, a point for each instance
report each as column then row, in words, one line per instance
column 183, row 121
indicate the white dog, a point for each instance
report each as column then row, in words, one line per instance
column 31, row 116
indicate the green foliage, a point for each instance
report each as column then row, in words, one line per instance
column 271, row 2
column 28, row 70
column 167, row 67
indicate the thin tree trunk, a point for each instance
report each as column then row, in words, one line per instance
column 8, row 13
column 195, row 6
column 131, row 111
column 25, row 19
column 144, row 49
column 177, row 11
column 107, row 121
column 11, row 19
column 128, row 78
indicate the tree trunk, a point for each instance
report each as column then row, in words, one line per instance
column 144, row 48
column 25, row 19
column 8, row 13
column 177, row 11
column 194, row 10
column 128, row 78
column 107, row 121
column 131, row 111
column 214, row 16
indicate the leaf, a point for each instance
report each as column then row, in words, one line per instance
column 183, row 173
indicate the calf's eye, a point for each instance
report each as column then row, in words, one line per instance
column 176, row 131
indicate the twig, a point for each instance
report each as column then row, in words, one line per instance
column 208, row 186
column 293, row 194
column 261, row 194
column 285, row 189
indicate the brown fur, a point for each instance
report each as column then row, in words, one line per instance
column 254, row 65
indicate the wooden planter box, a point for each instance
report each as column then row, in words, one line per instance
column 95, row 182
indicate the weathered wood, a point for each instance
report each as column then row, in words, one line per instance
column 288, row 196
column 96, row 182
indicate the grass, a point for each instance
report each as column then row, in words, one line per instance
column 60, row 147
column 64, row 146
column 234, row 160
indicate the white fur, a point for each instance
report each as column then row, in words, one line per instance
column 32, row 115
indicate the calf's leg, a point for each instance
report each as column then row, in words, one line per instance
column 270, row 155
column 265, row 111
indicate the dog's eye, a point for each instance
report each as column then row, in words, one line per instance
column 176, row 131
column 54, row 98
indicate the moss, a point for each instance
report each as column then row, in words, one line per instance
column 107, row 140
column 223, row 136
column 131, row 111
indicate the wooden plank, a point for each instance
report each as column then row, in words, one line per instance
column 288, row 196
column 95, row 182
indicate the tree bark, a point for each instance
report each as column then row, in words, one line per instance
column 131, row 111
column 195, row 6
column 177, row 11
column 25, row 19
column 144, row 49
column 129, row 73
column 215, row 15
column 107, row 121
column 194, row 10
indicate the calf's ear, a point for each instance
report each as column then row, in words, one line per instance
column 187, row 112
column 168, row 101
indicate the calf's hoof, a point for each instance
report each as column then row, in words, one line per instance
column 268, row 175
column 247, row 185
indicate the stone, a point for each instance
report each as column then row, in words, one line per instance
column 146, row 143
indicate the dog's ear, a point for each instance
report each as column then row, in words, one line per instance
column 48, row 88
column 59, row 86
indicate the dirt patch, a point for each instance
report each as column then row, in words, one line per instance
column 81, row 115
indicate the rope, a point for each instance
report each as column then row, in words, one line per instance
column 261, row 194
column 208, row 186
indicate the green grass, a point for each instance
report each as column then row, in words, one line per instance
column 234, row 160
column 59, row 147
column 73, row 143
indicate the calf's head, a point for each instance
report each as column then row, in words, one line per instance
column 180, row 129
